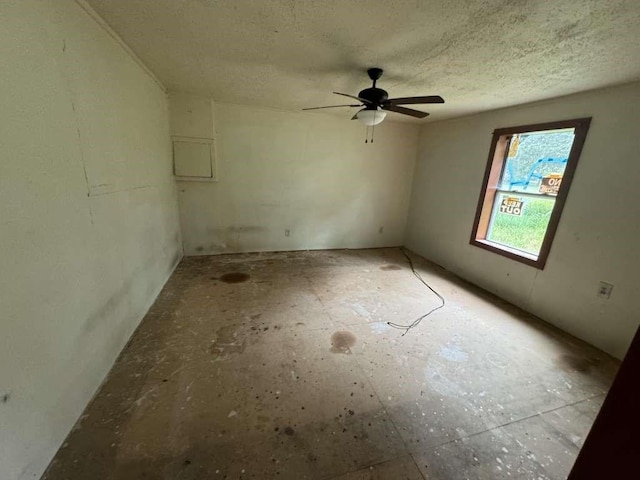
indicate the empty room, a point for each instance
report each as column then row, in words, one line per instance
column 341, row 239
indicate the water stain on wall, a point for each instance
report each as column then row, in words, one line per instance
column 237, row 229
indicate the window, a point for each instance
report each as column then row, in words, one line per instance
column 525, row 186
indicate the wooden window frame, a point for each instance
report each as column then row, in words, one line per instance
column 493, row 172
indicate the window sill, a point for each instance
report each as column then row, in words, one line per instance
column 512, row 253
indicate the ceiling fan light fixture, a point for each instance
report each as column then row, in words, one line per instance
column 371, row 117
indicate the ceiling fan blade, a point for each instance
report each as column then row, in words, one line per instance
column 332, row 106
column 363, row 100
column 415, row 100
column 405, row 111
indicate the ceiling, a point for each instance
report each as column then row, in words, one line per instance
column 290, row 54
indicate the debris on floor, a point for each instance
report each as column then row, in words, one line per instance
column 259, row 366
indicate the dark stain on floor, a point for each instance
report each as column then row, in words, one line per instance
column 234, row 277
column 578, row 364
column 341, row 342
column 390, row 267
column 289, row 431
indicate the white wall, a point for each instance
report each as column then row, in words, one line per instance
column 599, row 234
column 88, row 218
column 308, row 173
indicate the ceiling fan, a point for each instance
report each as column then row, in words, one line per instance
column 376, row 102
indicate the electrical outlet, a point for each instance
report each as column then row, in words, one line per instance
column 604, row 290
column 286, row 233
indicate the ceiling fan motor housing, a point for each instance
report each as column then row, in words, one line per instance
column 374, row 95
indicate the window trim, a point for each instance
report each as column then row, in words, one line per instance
column 493, row 171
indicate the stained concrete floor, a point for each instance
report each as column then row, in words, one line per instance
column 260, row 366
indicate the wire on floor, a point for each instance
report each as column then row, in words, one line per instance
column 417, row 321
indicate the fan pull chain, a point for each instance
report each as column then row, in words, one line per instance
column 373, row 130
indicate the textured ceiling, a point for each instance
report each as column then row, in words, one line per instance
column 477, row 54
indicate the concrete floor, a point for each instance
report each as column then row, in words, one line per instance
column 260, row 366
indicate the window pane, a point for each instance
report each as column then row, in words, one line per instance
column 520, row 222
column 537, row 159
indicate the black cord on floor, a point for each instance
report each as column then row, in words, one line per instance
column 417, row 321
